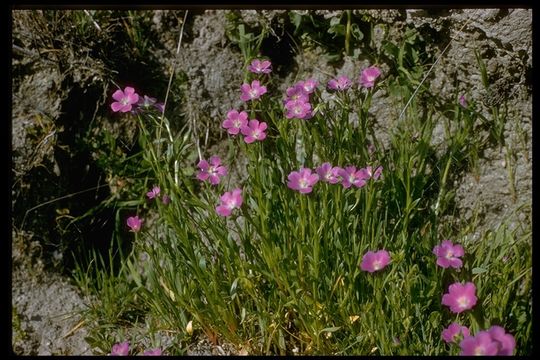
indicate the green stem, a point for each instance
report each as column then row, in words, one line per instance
column 348, row 33
column 316, row 249
column 302, row 216
column 443, row 185
column 511, row 174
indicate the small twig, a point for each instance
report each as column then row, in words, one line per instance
column 197, row 143
column 431, row 68
column 93, row 21
column 173, row 67
column 206, row 136
column 72, row 331
column 322, row 71
column 24, row 51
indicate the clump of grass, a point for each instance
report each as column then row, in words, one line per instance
column 286, row 261
column 19, row 334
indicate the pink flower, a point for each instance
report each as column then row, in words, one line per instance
column 328, row 173
column 134, row 223
column 353, row 177
column 166, row 199
column 254, row 131
column 340, row 83
column 140, row 106
column 229, row 201
column 375, row 261
column 368, row 76
column 121, row 349
column 308, row 85
column 448, row 254
column 481, row 344
column 297, row 92
column 463, row 101
column 260, row 67
column 298, row 109
column 452, row 332
column 146, row 101
column 154, row 192
column 302, row 180
column 252, row 92
column 124, row 99
column 212, row 171
column 494, row 341
column 506, row 342
column 374, row 174
column 160, row 107
column 235, row 121
column 153, row 352
column 460, row 297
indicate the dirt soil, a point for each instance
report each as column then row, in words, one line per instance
column 46, row 306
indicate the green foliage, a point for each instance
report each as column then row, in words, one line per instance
column 339, row 35
column 502, row 269
column 281, row 275
column 495, row 101
column 248, row 40
column 115, row 301
column 19, row 335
